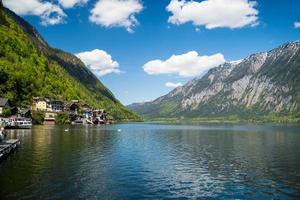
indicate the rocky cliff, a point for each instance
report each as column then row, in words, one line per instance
column 261, row 84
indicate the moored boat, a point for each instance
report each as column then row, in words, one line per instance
column 19, row 123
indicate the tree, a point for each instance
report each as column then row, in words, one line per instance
column 38, row 117
column 6, row 112
column 62, row 118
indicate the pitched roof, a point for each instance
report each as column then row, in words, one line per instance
column 56, row 101
column 24, row 110
column 69, row 104
column 3, row 101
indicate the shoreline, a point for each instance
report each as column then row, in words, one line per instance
column 222, row 120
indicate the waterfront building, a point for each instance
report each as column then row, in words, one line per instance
column 99, row 116
column 57, row 106
column 72, row 106
column 86, row 107
column 41, row 104
column 24, row 112
column 50, row 118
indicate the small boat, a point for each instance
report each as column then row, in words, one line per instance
column 19, row 123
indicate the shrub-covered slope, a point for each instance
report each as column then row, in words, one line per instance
column 30, row 67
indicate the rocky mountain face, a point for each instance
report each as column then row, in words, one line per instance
column 260, row 84
column 30, row 67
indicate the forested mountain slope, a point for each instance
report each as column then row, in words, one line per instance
column 30, row 67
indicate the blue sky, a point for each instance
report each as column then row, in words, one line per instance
column 126, row 46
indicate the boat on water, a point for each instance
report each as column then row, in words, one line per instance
column 19, row 123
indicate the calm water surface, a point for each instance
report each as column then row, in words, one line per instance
column 148, row 161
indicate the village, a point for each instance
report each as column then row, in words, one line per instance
column 50, row 111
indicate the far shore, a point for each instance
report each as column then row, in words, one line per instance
column 226, row 120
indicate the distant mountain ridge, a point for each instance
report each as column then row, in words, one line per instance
column 30, row 67
column 261, row 84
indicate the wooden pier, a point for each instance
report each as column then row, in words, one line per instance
column 8, row 146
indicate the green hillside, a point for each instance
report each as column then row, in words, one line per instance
column 30, row 67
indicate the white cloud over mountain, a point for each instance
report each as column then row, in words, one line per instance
column 116, row 13
column 297, row 24
column 49, row 13
column 186, row 65
column 99, row 62
column 71, row 3
column 214, row 13
column 173, row 85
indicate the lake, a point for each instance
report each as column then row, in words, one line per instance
column 154, row 161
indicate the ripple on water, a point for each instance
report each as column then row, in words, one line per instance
column 154, row 162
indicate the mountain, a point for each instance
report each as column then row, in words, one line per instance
column 30, row 67
column 262, row 84
column 135, row 105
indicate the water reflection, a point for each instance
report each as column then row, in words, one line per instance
column 146, row 161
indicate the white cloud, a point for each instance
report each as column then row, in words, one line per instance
column 99, row 62
column 214, row 13
column 116, row 13
column 186, row 65
column 71, row 3
column 173, row 85
column 297, row 24
column 49, row 13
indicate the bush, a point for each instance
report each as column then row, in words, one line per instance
column 38, row 117
column 6, row 112
column 62, row 118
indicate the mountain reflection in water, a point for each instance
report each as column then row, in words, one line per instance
column 150, row 161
